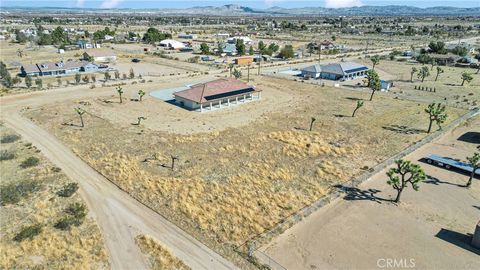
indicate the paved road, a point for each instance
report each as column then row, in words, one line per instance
column 119, row 216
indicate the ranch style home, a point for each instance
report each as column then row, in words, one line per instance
column 218, row 93
column 336, row 71
column 57, row 68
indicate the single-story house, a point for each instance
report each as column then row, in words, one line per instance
column 100, row 55
column 246, row 40
column 229, row 49
column 172, row 44
column 312, row 71
column 336, row 71
column 57, row 68
column 221, row 92
column 187, row 36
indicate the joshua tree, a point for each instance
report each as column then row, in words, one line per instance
column 359, row 105
column 311, row 122
column 116, row 74
column 131, row 73
column 173, row 161
column 86, row 79
column 474, row 162
column 28, row 81
column 120, row 92
column 466, row 77
column 141, row 93
column 80, row 113
column 439, row 71
column 433, row 62
column 59, row 82
column 373, row 82
column 230, row 66
column 93, row 77
column 16, row 80
column 20, row 53
column 78, row 77
column 436, row 112
column 403, row 174
column 237, row 73
column 414, row 70
column 375, row 61
column 423, row 73
column 139, row 120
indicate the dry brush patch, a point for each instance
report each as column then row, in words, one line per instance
column 78, row 248
column 233, row 184
column 160, row 258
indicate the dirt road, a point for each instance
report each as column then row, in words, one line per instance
column 119, row 216
column 428, row 230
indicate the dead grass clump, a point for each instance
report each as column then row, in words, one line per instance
column 160, row 258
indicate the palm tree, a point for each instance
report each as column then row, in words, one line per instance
column 120, row 92
column 141, row 93
column 80, row 113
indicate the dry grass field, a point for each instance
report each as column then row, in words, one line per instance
column 158, row 256
column 29, row 195
column 256, row 163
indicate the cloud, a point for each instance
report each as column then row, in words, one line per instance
column 80, row 3
column 271, row 3
column 110, row 3
column 342, row 3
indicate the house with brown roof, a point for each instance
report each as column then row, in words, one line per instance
column 100, row 55
column 216, row 94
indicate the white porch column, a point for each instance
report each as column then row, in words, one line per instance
column 244, row 98
column 210, row 106
column 236, row 100
column 201, row 107
column 220, row 103
column 228, row 102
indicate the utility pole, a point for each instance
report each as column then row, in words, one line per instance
column 319, row 52
column 248, row 73
column 259, row 63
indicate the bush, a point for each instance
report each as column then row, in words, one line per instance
column 14, row 192
column 29, row 162
column 5, row 155
column 28, row 232
column 76, row 214
column 9, row 138
column 68, row 190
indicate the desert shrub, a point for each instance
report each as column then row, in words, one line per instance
column 68, row 190
column 14, row 192
column 9, row 138
column 29, row 162
column 6, row 155
column 76, row 214
column 28, row 232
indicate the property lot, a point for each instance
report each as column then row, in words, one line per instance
column 279, row 165
column 364, row 230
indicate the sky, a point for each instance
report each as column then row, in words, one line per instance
column 248, row 3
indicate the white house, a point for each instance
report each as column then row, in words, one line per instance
column 246, row 40
column 99, row 55
column 172, row 44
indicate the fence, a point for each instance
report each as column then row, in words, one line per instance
column 289, row 221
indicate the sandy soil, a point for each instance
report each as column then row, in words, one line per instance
column 426, row 226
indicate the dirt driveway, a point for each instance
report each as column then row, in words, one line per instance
column 428, row 230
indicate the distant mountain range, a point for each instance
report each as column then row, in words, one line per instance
column 237, row 10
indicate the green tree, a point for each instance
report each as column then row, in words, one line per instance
column 204, row 48
column 116, row 74
column 412, row 72
column 28, row 81
column 141, row 93
column 359, row 105
column 437, row 113
column 94, row 78
column 240, row 46
column 107, row 75
column 287, row 52
column 251, row 51
column 80, row 113
column 39, row 83
column 219, row 48
column 403, row 174
column 273, row 47
column 153, row 35
column 131, row 74
column 16, row 80
column 78, row 77
column 120, row 92
column 230, row 67
column 474, row 162
column 437, row 47
column 439, row 71
column 373, row 81
column 423, row 73
column 375, row 61
column 86, row 79
column 466, row 77
column 261, row 45
column 237, row 73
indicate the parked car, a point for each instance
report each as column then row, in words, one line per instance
column 136, row 60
